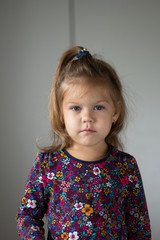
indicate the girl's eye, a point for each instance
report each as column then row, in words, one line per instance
column 76, row 108
column 98, row 108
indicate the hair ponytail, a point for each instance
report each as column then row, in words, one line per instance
column 66, row 58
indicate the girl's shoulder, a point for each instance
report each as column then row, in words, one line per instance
column 48, row 156
column 123, row 158
column 46, row 159
column 119, row 153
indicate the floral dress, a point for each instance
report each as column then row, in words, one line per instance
column 84, row 200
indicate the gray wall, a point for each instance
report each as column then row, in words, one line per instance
column 33, row 36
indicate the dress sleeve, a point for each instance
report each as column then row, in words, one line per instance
column 34, row 204
column 137, row 217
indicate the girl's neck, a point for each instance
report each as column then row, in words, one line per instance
column 87, row 154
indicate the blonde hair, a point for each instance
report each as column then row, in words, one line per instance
column 98, row 73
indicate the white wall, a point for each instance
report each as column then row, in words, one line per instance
column 33, row 36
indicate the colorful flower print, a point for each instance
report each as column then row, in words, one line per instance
column 73, row 236
column 31, row 203
column 84, row 200
column 78, row 206
column 96, row 170
column 87, row 210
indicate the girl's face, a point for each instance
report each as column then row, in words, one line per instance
column 88, row 116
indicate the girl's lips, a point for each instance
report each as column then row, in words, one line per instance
column 88, row 131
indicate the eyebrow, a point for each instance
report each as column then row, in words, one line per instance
column 97, row 102
column 106, row 100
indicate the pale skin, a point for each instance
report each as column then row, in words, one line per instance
column 88, row 120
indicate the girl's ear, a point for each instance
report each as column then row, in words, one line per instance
column 117, row 111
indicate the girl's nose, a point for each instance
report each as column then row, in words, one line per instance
column 87, row 117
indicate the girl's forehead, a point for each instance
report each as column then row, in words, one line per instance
column 78, row 91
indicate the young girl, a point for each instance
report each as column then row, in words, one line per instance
column 86, row 187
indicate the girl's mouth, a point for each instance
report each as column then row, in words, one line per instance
column 88, row 131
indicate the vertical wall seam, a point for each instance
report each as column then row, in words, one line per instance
column 72, row 40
